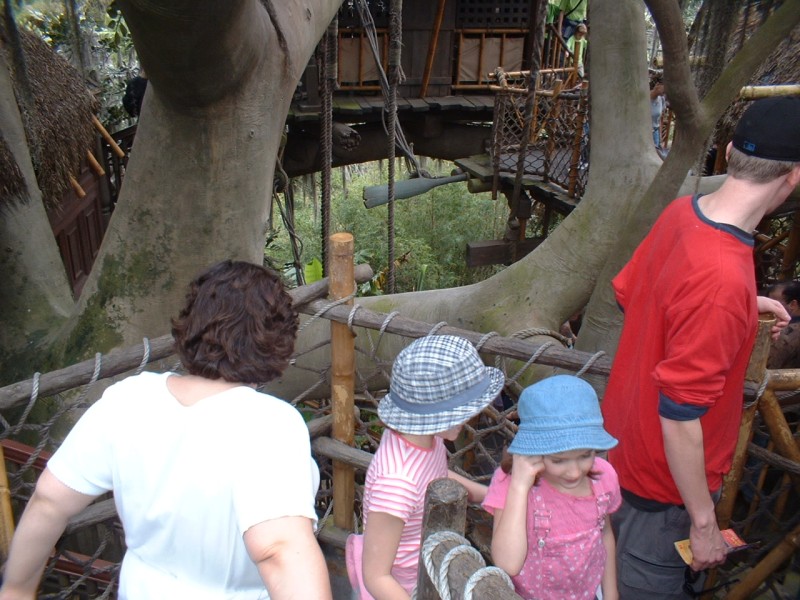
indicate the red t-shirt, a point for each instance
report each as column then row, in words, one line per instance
column 689, row 299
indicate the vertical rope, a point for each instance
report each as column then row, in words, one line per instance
column 395, row 43
column 537, row 43
column 328, row 84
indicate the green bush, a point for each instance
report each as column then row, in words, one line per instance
column 431, row 231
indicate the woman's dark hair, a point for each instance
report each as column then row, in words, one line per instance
column 238, row 324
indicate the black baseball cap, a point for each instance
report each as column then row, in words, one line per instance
column 770, row 128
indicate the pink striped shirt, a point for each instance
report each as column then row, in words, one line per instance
column 397, row 479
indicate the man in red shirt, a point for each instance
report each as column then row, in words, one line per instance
column 674, row 397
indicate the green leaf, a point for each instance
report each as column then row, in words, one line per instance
column 313, row 271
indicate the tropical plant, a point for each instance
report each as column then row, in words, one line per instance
column 431, row 233
column 102, row 47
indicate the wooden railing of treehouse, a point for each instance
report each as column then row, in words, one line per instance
column 760, row 387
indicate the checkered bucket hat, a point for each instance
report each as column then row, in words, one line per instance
column 438, row 382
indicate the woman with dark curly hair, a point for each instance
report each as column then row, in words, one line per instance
column 213, row 481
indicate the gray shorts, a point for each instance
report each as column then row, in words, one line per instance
column 648, row 565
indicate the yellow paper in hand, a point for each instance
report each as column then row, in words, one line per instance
column 732, row 541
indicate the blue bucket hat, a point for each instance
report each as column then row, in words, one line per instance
column 559, row 414
column 438, row 382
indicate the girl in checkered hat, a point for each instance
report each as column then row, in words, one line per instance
column 438, row 383
column 552, row 499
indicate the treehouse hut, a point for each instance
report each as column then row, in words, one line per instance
column 66, row 151
column 464, row 65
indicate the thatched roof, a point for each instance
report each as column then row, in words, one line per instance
column 58, row 125
column 780, row 68
column 12, row 183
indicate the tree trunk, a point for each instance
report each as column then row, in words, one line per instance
column 35, row 295
column 198, row 186
column 628, row 185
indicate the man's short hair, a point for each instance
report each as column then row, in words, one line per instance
column 791, row 291
column 238, row 324
column 755, row 169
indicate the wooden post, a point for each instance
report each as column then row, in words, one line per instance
column 6, row 514
column 772, row 561
column 445, row 510
column 779, row 431
column 577, row 140
column 342, row 378
column 792, row 249
column 552, row 116
column 756, row 371
column 434, row 41
column 730, row 484
column 107, row 137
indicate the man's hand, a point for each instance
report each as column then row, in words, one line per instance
column 708, row 546
column 768, row 305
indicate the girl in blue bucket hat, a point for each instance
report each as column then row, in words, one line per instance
column 552, row 496
column 438, row 383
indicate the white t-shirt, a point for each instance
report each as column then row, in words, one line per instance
column 189, row 481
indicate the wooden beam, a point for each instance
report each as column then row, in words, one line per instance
column 499, row 252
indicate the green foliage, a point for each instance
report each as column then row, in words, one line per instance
column 107, row 48
column 431, row 231
column 312, row 271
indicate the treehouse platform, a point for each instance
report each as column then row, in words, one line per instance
column 759, row 498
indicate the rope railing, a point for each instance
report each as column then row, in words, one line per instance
column 35, row 415
column 548, row 142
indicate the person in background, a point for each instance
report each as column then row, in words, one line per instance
column 552, row 496
column 675, row 393
column 657, row 106
column 134, row 94
column 213, row 481
column 438, row 383
column 785, row 351
column 579, row 40
column 573, row 13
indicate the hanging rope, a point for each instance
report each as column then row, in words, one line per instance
column 287, row 216
column 395, row 43
column 329, row 76
column 535, row 61
column 372, row 37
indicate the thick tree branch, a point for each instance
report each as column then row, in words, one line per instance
column 680, row 88
column 197, row 52
column 754, row 52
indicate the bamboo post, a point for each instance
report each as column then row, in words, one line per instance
column 342, row 378
column 779, row 431
column 577, row 140
column 772, row 561
column 96, row 167
column 76, row 187
column 754, row 503
column 756, row 371
column 553, row 118
column 107, row 137
column 445, row 510
column 6, row 513
column 792, row 249
column 752, row 92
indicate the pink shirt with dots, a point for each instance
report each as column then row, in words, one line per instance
column 566, row 556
